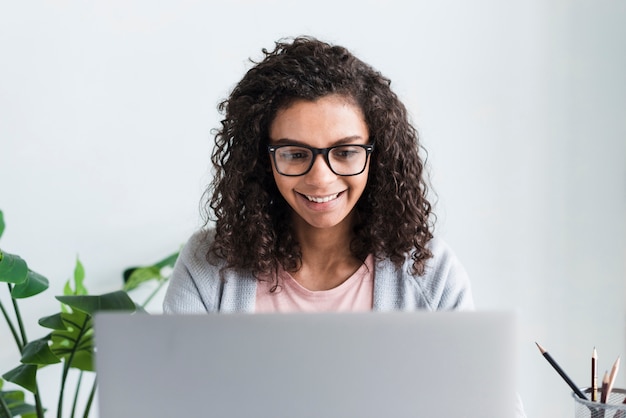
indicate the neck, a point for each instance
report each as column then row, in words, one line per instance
column 326, row 257
column 323, row 241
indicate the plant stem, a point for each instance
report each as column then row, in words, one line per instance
column 66, row 368
column 4, row 409
column 18, row 316
column 90, row 400
column 154, row 292
column 80, row 379
column 38, row 404
column 19, row 343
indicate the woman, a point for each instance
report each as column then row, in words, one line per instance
column 319, row 198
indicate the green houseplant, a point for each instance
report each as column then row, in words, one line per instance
column 69, row 339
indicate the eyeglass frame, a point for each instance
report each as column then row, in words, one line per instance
column 369, row 148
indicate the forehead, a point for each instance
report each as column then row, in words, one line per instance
column 320, row 122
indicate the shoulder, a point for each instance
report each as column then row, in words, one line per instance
column 445, row 280
column 443, row 262
column 195, row 255
column 444, row 285
column 200, row 282
column 194, row 281
column 197, row 246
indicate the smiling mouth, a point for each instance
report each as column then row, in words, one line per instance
column 322, row 199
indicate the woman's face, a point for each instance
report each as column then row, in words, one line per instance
column 320, row 198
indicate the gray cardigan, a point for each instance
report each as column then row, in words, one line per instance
column 195, row 285
column 196, row 288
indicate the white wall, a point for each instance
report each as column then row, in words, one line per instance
column 106, row 109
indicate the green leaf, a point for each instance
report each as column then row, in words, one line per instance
column 38, row 352
column 168, row 261
column 135, row 276
column 25, row 411
column 52, row 322
column 5, row 411
column 141, row 275
column 2, row 224
column 34, row 284
column 67, row 289
column 115, row 301
column 79, row 278
column 14, row 402
column 74, row 344
column 13, row 269
column 24, row 375
column 84, row 359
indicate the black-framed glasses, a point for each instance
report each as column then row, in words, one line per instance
column 343, row 160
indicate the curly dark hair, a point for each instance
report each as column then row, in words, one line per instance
column 252, row 220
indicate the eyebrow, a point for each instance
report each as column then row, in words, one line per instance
column 346, row 140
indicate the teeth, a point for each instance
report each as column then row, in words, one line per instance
column 322, row 199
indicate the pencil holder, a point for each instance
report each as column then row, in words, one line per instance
column 613, row 408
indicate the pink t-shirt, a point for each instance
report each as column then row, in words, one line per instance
column 353, row 295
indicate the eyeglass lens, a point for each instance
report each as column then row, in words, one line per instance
column 343, row 160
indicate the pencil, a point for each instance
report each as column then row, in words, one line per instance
column 605, row 386
column 611, row 380
column 561, row 372
column 594, row 376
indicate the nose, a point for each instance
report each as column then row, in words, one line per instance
column 320, row 172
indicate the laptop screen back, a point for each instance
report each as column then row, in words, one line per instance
column 373, row 364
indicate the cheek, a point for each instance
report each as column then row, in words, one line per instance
column 361, row 187
column 363, row 180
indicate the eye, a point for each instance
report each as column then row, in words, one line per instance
column 346, row 152
column 293, row 154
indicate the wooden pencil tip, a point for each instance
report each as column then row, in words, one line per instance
column 540, row 348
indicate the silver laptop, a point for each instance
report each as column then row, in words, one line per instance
column 441, row 364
